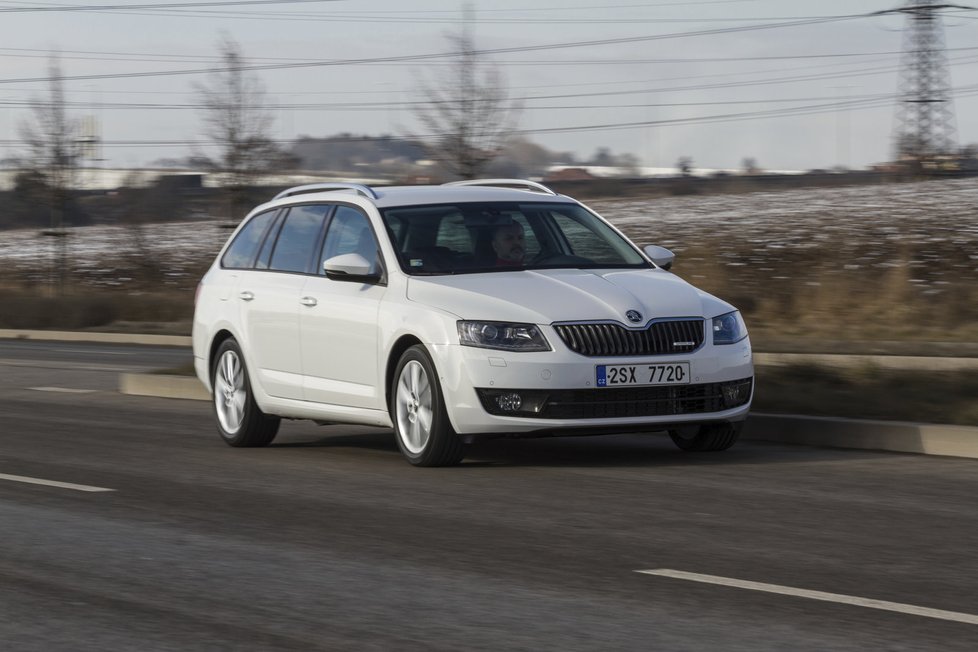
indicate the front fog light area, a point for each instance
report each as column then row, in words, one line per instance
column 736, row 393
column 509, row 402
column 512, row 402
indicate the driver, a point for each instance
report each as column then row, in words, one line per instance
column 509, row 243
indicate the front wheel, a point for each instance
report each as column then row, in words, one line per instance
column 424, row 434
column 240, row 421
column 708, row 437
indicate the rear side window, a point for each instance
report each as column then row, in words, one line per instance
column 241, row 253
column 298, row 238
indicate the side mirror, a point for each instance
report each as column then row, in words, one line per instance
column 660, row 256
column 350, row 267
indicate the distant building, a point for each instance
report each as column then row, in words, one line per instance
column 569, row 174
column 110, row 179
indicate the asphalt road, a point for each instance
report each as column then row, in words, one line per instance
column 328, row 540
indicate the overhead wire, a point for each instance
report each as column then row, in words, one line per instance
column 434, row 56
column 142, row 57
column 825, row 107
column 44, row 7
column 858, row 103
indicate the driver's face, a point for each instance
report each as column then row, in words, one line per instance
column 509, row 243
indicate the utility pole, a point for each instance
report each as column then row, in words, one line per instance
column 924, row 132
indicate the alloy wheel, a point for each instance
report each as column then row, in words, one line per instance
column 414, row 407
column 230, row 394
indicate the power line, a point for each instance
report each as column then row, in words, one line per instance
column 179, row 9
column 395, row 20
column 204, row 58
column 603, row 93
column 827, row 107
column 383, row 106
column 156, row 5
column 440, row 55
column 512, row 88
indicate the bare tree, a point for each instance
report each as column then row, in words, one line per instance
column 53, row 139
column 54, row 145
column 685, row 166
column 469, row 115
column 237, row 123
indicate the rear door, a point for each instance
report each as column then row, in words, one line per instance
column 269, row 297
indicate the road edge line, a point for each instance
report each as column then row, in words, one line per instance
column 836, row 598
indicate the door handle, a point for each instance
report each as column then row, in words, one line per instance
column 308, row 301
column 246, row 295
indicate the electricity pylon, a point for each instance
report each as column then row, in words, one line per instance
column 925, row 129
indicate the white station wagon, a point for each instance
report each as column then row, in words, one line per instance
column 479, row 308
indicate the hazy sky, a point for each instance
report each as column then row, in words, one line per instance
column 796, row 76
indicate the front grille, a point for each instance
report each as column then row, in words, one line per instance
column 623, row 402
column 610, row 339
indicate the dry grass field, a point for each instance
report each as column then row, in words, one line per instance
column 885, row 262
column 869, row 263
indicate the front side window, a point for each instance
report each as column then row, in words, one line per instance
column 349, row 233
column 241, row 253
column 297, row 239
column 501, row 236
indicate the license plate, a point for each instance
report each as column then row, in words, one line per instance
column 673, row 373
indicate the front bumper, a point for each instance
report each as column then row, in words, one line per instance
column 617, row 402
column 562, row 386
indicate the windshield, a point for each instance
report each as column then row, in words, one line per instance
column 504, row 236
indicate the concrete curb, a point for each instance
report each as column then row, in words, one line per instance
column 163, row 386
column 103, row 338
column 896, row 436
column 848, row 361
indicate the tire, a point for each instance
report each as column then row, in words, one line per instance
column 424, row 434
column 239, row 420
column 709, row 437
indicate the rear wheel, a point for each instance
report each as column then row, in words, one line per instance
column 424, row 434
column 240, row 422
column 708, row 437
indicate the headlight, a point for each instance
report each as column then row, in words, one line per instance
column 729, row 328
column 502, row 335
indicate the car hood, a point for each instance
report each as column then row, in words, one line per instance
column 555, row 295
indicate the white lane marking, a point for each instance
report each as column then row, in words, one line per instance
column 913, row 610
column 53, row 483
column 62, row 366
column 88, row 351
column 64, row 390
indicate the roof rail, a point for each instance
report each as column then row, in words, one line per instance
column 366, row 191
column 522, row 183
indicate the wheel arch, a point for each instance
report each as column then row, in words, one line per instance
column 402, row 344
column 219, row 338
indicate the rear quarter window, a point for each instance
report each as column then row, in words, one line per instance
column 242, row 251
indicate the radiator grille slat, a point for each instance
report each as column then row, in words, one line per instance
column 605, row 339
